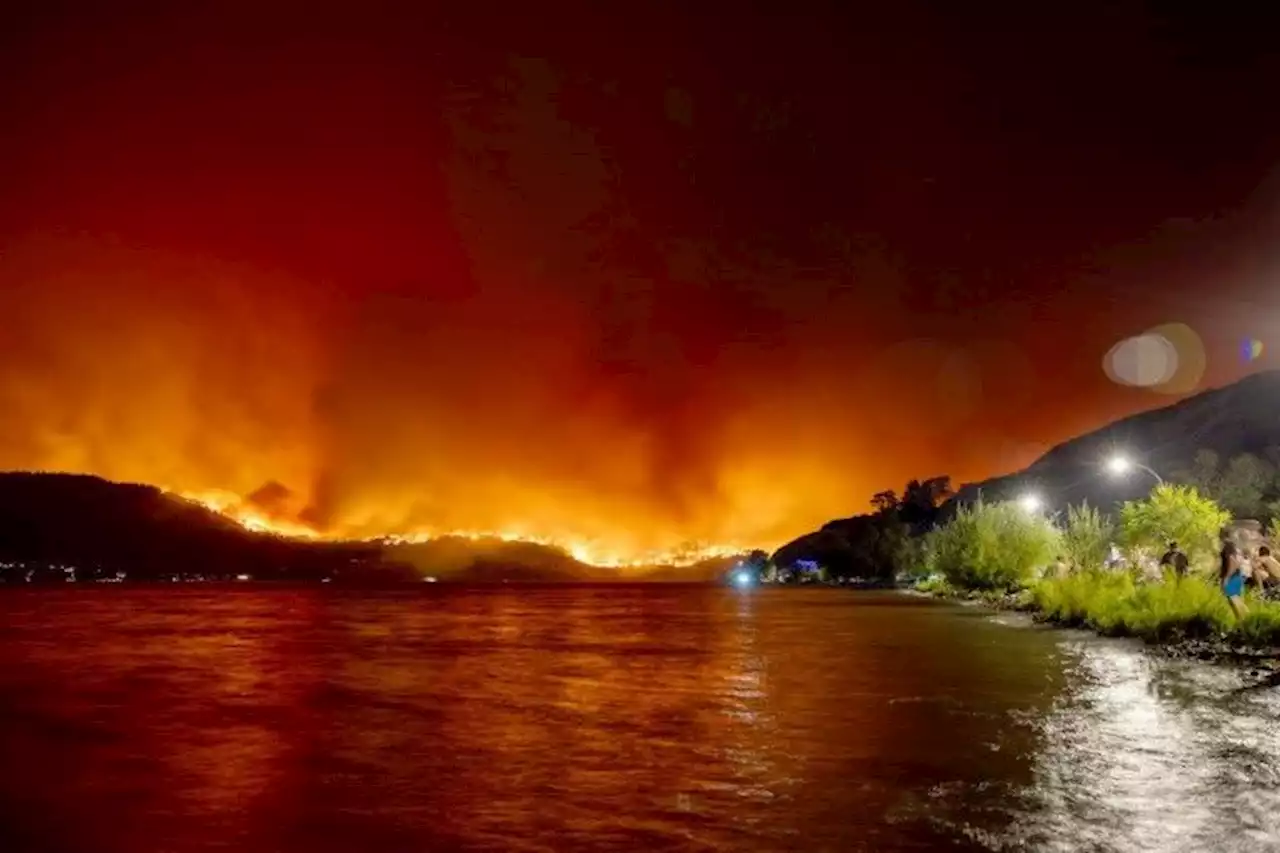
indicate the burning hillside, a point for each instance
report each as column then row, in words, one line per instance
column 265, row 511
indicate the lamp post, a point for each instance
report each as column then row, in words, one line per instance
column 1120, row 465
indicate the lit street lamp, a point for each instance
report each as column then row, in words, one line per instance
column 1030, row 503
column 1118, row 466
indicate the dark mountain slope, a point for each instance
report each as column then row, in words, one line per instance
column 101, row 527
column 48, row 521
column 1238, row 418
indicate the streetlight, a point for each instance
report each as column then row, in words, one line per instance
column 1120, row 465
column 1030, row 503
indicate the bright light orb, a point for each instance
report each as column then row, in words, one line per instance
column 742, row 579
column 1119, row 465
column 1143, row 361
column 1030, row 503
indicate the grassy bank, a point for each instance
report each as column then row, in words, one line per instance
column 1177, row 609
column 995, row 554
column 1112, row 604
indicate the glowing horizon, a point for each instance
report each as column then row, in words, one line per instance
column 596, row 554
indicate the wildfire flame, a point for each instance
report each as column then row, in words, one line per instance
column 234, row 508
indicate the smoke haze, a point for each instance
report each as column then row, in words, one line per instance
column 434, row 272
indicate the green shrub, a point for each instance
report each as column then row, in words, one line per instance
column 1112, row 603
column 1191, row 607
column 928, row 552
column 912, row 559
column 1085, row 600
column 1087, row 538
column 1174, row 513
column 935, row 585
column 993, row 546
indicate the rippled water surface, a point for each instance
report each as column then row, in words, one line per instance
column 607, row 718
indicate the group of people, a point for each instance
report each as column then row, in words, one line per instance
column 1239, row 567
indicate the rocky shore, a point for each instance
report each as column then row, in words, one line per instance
column 1222, row 650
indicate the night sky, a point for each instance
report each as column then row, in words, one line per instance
column 643, row 275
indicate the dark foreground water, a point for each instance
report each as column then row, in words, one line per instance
column 607, row 718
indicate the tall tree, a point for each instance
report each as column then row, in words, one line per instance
column 1243, row 486
column 921, row 499
column 886, row 501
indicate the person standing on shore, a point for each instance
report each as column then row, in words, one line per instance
column 1266, row 569
column 1231, row 574
column 1060, row 568
column 1175, row 559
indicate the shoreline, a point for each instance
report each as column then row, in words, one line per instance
column 1262, row 662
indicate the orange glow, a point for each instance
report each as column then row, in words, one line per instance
column 598, row 554
column 233, row 507
column 328, row 415
column 358, row 285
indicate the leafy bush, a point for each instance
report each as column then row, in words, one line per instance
column 992, row 546
column 912, row 559
column 1082, row 600
column 1242, row 486
column 1174, row 513
column 935, row 585
column 1087, row 538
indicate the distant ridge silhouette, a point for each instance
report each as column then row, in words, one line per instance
column 49, row 521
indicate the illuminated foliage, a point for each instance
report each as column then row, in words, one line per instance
column 1174, row 513
column 1087, row 537
column 993, row 546
column 1114, row 603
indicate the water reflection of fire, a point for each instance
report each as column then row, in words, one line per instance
column 263, row 512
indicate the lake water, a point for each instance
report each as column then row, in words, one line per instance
column 607, row 718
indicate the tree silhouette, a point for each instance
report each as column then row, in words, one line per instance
column 1243, row 485
column 1246, row 485
column 886, row 501
column 921, row 499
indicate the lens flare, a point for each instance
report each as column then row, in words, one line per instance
column 1167, row 359
column 1250, row 349
column 1143, row 361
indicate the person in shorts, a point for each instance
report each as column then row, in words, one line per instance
column 1231, row 574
